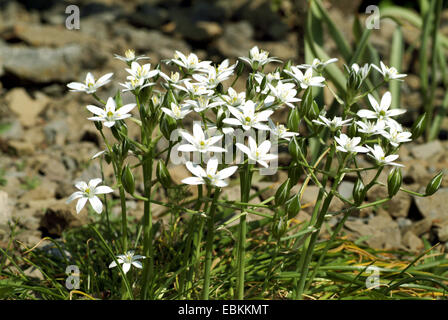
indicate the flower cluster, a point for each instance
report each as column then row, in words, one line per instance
column 187, row 87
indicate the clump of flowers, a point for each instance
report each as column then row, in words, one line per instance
column 234, row 138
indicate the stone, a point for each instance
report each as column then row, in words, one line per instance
column 56, row 132
column 44, row 65
column 442, row 233
column 11, row 129
column 26, row 108
column 383, row 232
column 421, row 227
column 345, row 189
column 21, row 148
column 427, row 150
column 33, row 272
column 413, row 242
column 236, row 40
column 434, row 207
column 5, row 209
column 148, row 16
column 60, row 217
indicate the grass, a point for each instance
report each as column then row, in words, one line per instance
column 270, row 268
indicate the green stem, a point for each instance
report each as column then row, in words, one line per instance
column 245, row 184
column 209, row 245
column 124, row 223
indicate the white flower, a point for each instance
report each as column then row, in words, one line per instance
column 215, row 75
column 198, row 142
column 233, row 98
column 141, row 72
column 89, row 192
column 332, row 124
column 370, row 128
column 378, row 154
column 246, row 116
column 285, row 93
column 127, row 260
column 317, row 64
column 90, row 86
column 258, row 58
column 109, row 115
column 197, row 89
column 305, row 80
column 176, row 112
column 129, row 56
column 173, row 79
column 202, row 103
column 382, row 112
column 281, row 131
column 191, row 63
column 389, row 73
column 257, row 153
column 396, row 135
column 135, row 84
column 210, row 175
column 270, row 79
column 364, row 71
column 350, row 145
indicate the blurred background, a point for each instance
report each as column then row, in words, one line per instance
column 46, row 142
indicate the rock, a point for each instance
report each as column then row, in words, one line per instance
column 236, row 40
column 398, row 206
column 33, row 272
column 11, row 129
column 43, row 65
column 24, row 107
column 5, row 209
column 201, row 31
column 413, row 242
column 21, row 148
column 29, row 237
column 434, row 207
column 442, row 233
column 46, row 190
column 383, row 232
column 427, row 150
column 60, row 217
column 53, row 170
column 56, row 132
column 267, row 23
column 148, row 16
column 345, row 189
column 421, row 227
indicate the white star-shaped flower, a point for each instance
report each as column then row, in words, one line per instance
column 389, row 73
column 202, row 103
column 233, row 98
column 350, row 145
column 257, row 153
column 317, row 64
column 332, row 124
column 370, row 128
column 198, row 142
column 110, row 114
column 129, row 56
column 176, row 112
column 381, row 110
column 305, row 80
column 396, row 135
column 209, row 176
column 89, row 192
column 90, row 85
column 258, row 58
column 191, row 63
column 247, row 117
column 127, row 260
column 284, row 93
column 141, row 72
column 378, row 154
column 135, row 84
column 280, row 131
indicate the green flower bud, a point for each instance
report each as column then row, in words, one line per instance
column 434, row 184
column 294, row 149
column 307, row 102
column 313, row 111
column 287, row 65
column 294, row 172
column 125, row 146
column 419, row 126
column 279, row 227
column 282, row 193
column 293, row 121
column 167, row 125
column 293, row 206
column 239, row 69
column 263, row 83
column 163, row 174
column 358, row 192
column 118, row 100
column 352, row 130
column 394, row 181
column 127, row 180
